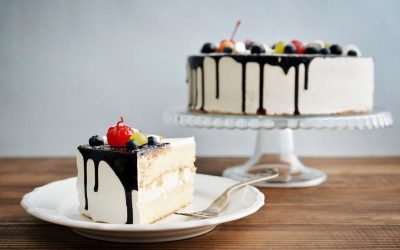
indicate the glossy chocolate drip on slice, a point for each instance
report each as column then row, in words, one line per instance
column 96, row 176
column 123, row 164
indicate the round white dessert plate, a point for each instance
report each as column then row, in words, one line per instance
column 57, row 202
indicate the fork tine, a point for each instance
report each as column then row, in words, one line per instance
column 184, row 214
column 205, row 215
column 188, row 214
column 195, row 215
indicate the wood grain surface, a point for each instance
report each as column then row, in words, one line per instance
column 358, row 207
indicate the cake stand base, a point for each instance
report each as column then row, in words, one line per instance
column 274, row 149
column 275, row 145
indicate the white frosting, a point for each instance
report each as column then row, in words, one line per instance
column 105, row 140
column 179, row 142
column 335, row 85
column 330, row 92
column 317, row 43
column 109, row 197
column 252, row 86
column 229, row 85
column 241, row 48
column 278, row 90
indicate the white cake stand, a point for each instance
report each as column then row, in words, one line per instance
column 275, row 144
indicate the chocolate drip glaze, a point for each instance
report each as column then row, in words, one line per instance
column 284, row 62
column 306, row 65
column 202, row 89
column 244, row 87
column 296, row 90
column 217, row 77
column 261, row 110
column 124, row 165
column 96, row 177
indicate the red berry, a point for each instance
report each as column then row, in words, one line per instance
column 118, row 135
column 299, row 47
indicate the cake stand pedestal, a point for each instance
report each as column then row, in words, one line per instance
column 275, row 143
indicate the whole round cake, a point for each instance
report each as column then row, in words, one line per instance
column 285, row 79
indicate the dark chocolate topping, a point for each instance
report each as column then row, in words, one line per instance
column 285, row 62
column 122, row 162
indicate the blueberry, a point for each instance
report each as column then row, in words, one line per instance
column 96, row 140
column 325, row 51
column 352, row 53
column 311, row 50
column 152, row 141
column 208, row 48
column 336, row 49
column 351, row 50
column 289, row 49
column 228, row 50
column 257, row 49
column 131, row 145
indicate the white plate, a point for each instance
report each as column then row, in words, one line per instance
column 57, row 202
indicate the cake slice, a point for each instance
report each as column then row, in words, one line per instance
column 144, row 181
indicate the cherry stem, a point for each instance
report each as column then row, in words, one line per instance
column 235, row 29
column 120, row 121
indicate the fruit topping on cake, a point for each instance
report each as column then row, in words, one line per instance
column 119, row 134
column 123, row 136
column 294, row 47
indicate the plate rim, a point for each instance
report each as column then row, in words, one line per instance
column 57, row 218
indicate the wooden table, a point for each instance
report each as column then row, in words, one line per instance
column 357, row 207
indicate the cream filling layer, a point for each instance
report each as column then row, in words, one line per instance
column 169, row 181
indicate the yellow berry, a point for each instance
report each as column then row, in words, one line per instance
column 280, row 47
column 139, row 138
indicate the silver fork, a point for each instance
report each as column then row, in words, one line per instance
column 220, row 203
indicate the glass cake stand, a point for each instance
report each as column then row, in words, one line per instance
column 275, row 144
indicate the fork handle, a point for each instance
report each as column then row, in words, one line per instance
column 272, row 173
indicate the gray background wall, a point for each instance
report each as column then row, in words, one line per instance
column 69, row 69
